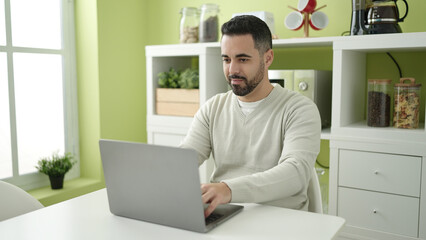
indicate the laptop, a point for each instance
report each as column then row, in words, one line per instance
column 158, row 184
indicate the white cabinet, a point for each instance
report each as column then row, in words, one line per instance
column 380, row 191
column 377, row 175
column 390, row 173
column 379, row 211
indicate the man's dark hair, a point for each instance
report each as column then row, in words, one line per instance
column 247, row 24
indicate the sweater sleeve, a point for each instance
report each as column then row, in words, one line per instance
column 290, row 177
column 198, row 136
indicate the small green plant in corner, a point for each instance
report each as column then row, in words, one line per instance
column 169, row 79
column 189, row 79
column 186, row 79
column 56, row 166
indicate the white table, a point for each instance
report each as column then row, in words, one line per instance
column 88, row 217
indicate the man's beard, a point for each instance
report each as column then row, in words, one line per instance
column 249, row 85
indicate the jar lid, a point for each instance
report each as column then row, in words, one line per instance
column 380, row 81
column 411, row 84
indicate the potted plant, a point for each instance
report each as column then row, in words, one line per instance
column 177, row 93
column 56, row 166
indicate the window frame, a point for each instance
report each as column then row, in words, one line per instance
column 69, row 78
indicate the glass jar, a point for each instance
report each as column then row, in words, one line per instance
column 209, row 23
column 379, row 102
column 407, row 104
column 189, row 25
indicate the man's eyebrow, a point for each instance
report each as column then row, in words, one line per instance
column 238, row 55
column 243, row 55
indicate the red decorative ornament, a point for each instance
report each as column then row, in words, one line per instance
column 305, row 15
column 307, row 6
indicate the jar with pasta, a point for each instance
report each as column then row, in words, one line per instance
column 189, row 25
column 406, row 104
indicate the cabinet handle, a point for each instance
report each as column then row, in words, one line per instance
column 376, row 172
column 374, row 211
column 303, row 86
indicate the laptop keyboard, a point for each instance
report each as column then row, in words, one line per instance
column 213, row 217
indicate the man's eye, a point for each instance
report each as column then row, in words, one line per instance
column 226, row 60
column 243, row 59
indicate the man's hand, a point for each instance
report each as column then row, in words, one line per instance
column 215, row 194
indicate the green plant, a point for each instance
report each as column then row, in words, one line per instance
column 177, row 79
column 169, row 79
column 189, row 79
column 56, row 165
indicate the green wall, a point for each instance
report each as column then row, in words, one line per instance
column 86, row 24
column 122, row 89
column 111, row 71
column 110, row 41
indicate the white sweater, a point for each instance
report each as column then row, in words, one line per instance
column 264, row 157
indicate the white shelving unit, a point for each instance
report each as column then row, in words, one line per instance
column 349, row 83
column 170, row 130
column 377, row 175
column 395, row 156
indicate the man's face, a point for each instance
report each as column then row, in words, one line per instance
column 242, row 65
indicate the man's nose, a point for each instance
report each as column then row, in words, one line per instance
column 234, row 68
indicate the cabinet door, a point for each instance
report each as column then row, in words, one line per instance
column 380, row 172
column 379, row 211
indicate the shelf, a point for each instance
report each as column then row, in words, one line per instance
column 410, row 140
column 325, row 134
column 350, row 71
column 383, row 42
column 305, row 42
column 197, row 48
column 72, row 188
column 346, row 56
column 362, row 125
column 190, row 49
column 377, row 42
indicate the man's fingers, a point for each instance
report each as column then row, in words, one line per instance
column 215, row 194
column 206, row 198
column 206, row 194
column 212, row 206
column 204, row 188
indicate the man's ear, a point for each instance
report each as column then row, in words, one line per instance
column 269, row 57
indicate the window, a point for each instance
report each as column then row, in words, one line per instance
column 38, row 106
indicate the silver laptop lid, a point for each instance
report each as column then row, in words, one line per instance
column 153, row 183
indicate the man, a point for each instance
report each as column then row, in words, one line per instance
column 264, row 139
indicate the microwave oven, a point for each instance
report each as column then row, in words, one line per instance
column 314, row 84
